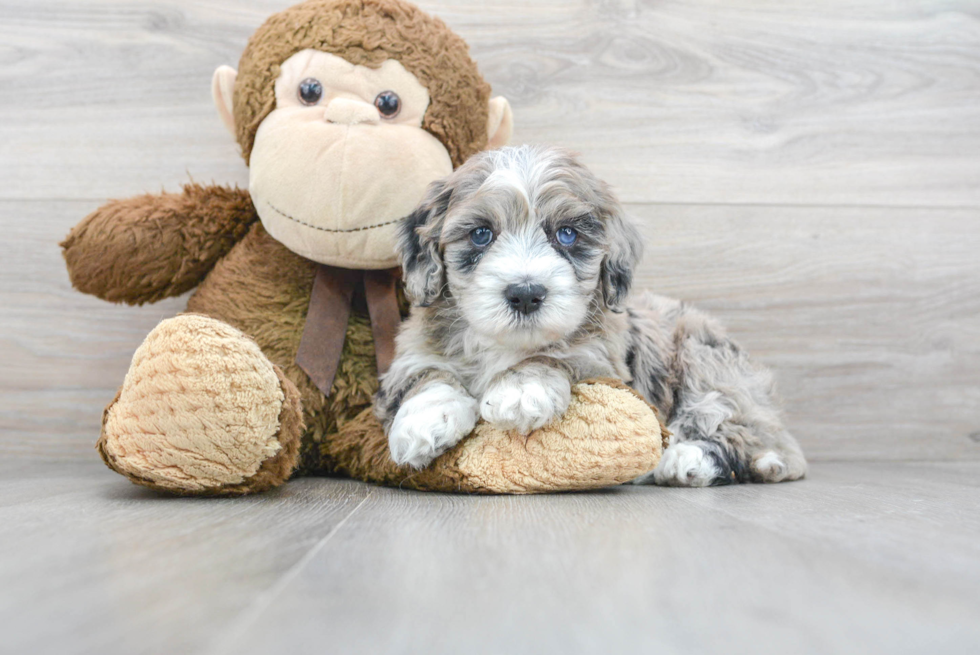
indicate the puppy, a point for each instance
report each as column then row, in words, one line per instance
column 519, row 266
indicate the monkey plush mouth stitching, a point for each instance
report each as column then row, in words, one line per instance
column 327, row 229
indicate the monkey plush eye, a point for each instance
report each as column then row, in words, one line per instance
column 566, row 236
column 481, row 236
column 310, row 91
column 388, row 103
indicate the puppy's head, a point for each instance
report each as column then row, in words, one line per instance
column 526, row 241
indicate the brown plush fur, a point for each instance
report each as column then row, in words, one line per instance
column 368, row 32
column 150, row 247
column 610, row 435
column 153, row 246
column 276, row 469
column 271, row 473
column 263, row 289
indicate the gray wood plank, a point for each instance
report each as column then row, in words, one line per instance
column 837, row 102
column 64, row 353
column 870, row 318
column 882, row 513
column 860, row 557
column 91, row 563
column 869, row 315
column 645, row 569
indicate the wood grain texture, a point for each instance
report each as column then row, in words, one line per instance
column 858, row 558
column 90, row 563
column 869, row 317
column 647, row 570
column 807, row 172
column 867, row 310
column 704, row 101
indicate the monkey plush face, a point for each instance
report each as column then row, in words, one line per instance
column 342, row 158
column 343, row 141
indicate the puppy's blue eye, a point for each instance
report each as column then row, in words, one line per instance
column 481, row 236
column 566, row 236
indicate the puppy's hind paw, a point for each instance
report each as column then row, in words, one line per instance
column 430, row 423
column 683, row 464
column 773, row 466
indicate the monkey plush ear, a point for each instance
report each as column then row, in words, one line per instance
column 222, row 92
column 624, row 250
column 418, row 245
column 500, row 123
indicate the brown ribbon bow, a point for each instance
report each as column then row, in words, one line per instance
column 322, row 342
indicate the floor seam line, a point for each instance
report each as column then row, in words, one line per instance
column 247, row 616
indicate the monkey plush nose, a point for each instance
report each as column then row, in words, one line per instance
column 350, row 112
column 525, row 298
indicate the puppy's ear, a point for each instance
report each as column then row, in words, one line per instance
column 418, row 245
column 624, row 248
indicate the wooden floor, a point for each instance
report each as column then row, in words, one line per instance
column 809, row 172
column 862, row 558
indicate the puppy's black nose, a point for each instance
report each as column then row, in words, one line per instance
column 525, row 298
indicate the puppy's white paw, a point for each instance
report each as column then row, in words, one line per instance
column 769, row 466
column 780, row 465
column 525, row 402
column 683, row 465
column 430, row 423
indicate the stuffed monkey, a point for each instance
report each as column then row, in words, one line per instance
column 345, row 110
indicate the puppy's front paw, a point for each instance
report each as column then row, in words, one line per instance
column 522, row 402
column 430, row 423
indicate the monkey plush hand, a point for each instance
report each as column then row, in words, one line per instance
column 345, row 110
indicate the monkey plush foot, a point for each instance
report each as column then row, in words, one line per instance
column 609, row 435
column 202, row 411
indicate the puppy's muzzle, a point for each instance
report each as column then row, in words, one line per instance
column 525, row 298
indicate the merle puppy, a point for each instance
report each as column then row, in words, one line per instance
column 519, row 265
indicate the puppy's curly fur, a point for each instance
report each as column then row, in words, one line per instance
column 520, row 266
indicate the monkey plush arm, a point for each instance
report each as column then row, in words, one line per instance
column 150, row 247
